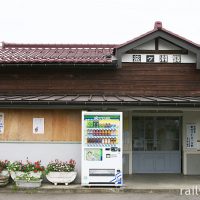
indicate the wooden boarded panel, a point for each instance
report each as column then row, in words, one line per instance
column 135, row 79
column 73, row 126
column 59, row 125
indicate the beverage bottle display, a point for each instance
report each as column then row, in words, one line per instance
column 101, row 132
column 111, row 141
column 94, row 123
column 96, row 132
column 97, row 123
column 108, row 140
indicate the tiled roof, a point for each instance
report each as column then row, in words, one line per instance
column 158, row 27
column 72, row 53
column 55, row 53
column 117, row 100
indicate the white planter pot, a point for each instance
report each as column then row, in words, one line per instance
column 14, row 174
column 28, row 184
column 61, row 177
column 36, row 174
column 4, row 180
column 5, row 173
column 18, row 173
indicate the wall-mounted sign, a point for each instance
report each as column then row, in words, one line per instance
column 136, row 58
column 1, row 123
column 157, row 58
column 150, row 58
column 191, row 140
column 38, row 125
column 163, row 58
column 177, row 58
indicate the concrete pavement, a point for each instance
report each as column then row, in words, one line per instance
column 145, row 183
column 126, row 196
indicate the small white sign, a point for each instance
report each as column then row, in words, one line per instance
column 38, row 125
column 191, row 140
column 1, row 123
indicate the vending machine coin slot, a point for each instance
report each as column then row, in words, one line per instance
column 107, row 155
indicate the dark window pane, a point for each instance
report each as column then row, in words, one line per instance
column 138, row 136
column 149, row 134
column 168, row 129
column 156, row 133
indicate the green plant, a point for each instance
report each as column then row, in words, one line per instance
column 59, row 166
column 3, row 165
column 27, row 167
column 15, row 166
column 27, row 177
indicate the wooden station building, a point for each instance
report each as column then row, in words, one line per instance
column 153, row 79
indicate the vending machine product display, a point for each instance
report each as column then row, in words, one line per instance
column 101, row 149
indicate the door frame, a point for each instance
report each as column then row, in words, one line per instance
column 159, row 114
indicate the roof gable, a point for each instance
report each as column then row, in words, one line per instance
column 158, row 32
column 158, row 44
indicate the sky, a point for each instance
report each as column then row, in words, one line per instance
column 95, row 21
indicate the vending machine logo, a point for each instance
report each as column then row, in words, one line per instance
column 118, row 178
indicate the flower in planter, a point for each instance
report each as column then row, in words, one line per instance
column 38, row 167
column 61, row 172
column 18, row 168
column 27, row 167
column 27, row 177
column 3, row 165
column 15, row 166
column 60, row 166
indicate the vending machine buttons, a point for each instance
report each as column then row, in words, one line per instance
column 114, row 149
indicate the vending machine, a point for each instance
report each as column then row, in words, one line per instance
column 101, row 149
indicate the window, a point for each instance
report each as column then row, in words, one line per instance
column 156, row 133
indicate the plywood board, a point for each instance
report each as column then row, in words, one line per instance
column 59, row 125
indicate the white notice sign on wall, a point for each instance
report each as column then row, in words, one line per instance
column 191, row 140
column 38, row 125
column 1, row 123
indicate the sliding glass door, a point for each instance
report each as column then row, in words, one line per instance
column 156, row 144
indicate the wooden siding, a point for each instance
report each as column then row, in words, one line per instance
column 60, row 125
column 135, row 79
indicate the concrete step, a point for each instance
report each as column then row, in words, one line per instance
column 76, row 188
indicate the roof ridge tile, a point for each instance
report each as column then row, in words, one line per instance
column 75, row 46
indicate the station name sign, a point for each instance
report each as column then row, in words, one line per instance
column 162, row 58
